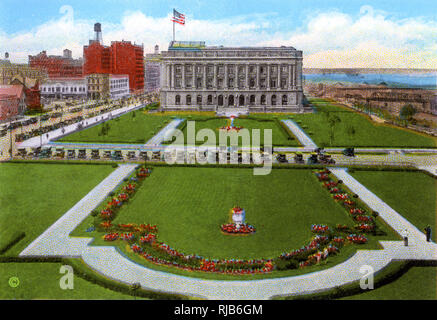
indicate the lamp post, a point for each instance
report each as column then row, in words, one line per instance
column 40, row 132
column 10, row 135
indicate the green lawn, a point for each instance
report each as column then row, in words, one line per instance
column 125, row 129
column 412, row 194
column 355, row 130
column 279, row 136
column 33, row 196
column 418, row 283
column 41, row 281
column 189, row 204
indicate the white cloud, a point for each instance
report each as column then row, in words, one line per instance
column 328, row 39
column 335, row 39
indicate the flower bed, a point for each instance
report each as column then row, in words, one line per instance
column 110, row 236
column 358, row 239
column 319, row 228
column 231, row 228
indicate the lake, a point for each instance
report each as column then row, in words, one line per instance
column 416, row 80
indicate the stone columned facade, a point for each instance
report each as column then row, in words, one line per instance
column 261, row 79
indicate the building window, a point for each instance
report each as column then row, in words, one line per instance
column 273, row 100
column 209, row 101
column 263, row 99
column 284, row 100
column 188, row 100
column 252, row 82
column 241, row 100
column 252, row 99
column 220, row 100
column 199, row 100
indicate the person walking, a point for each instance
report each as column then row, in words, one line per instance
column 405, row 237
column 428, row 233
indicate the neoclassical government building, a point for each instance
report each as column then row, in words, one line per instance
column 262, row 79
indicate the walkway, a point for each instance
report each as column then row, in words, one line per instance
column 394, row 219
column 108, row 261
column 303, row 138
column 158, row 138
column 56, row 134
column 55, row 241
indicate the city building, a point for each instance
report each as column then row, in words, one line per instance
column 57, row 66
column 152, row 71
column 9, row 105
column 98, row 86
column 31, row 90
column 65, row 88
column 118, row 86
column 12, row 101
column 121, row 57
column 383, row 97
column 262, row 79
column 8, row 70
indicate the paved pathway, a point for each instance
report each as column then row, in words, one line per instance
column 56, row 134
column 157, row 139
column 55, row 241
column 303, row 138
column 394, row 219
column 108, row 261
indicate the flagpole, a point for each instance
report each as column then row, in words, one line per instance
column 173, row 30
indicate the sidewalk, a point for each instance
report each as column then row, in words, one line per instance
column 55, row 241
column 158, row 138
column 56, row 134
column 303, row 138
column 111, row 263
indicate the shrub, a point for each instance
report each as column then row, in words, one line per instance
column 285, row 264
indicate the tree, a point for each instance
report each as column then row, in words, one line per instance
column 350, row 130
column 407, row 112
column 333, row 120
column 134, row 288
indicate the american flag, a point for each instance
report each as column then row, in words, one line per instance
column 178, row 17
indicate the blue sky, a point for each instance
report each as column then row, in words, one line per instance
column 403, row 33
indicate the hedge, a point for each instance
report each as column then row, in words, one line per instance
column 83, row 272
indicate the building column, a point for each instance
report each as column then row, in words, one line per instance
column 290, row 76
column 205, row 68
column 183, row 77
column 168, row 78
column 247, row 77
column 226, row 76
column 278, row 82
column 215, row 76
column 172, row 77
column 194, row 76
column 268, row 76
column 258, row 82
column 235, row 76
column 299, row 74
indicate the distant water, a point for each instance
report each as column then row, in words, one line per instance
column 417, row 80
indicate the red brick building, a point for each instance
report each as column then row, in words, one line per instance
column 122, row 57
column 57, row 66
column 12, row 101
column 8, row 106
column 31, row 91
